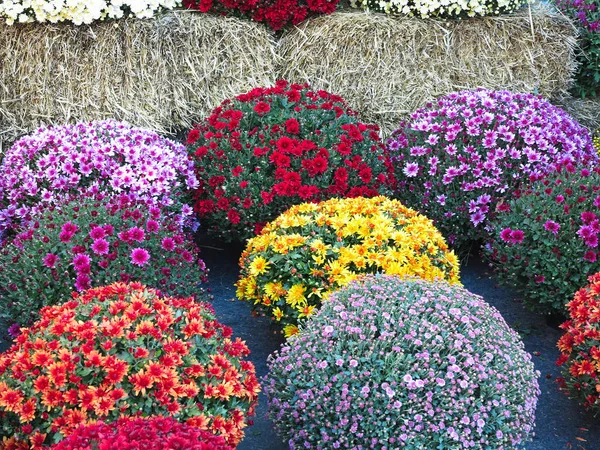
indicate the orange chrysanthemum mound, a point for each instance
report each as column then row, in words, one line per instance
column 124, row 350
column 580, row 347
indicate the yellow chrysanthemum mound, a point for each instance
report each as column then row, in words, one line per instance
column 313, row 249
column 597, row 140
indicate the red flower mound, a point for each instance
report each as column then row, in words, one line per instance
column 275, row 13
column 269, row 149
column 580, row 347
column 155, row 433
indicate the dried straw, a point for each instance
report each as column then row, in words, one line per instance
column 162, row 74
column 386, row 67
column 586, row 111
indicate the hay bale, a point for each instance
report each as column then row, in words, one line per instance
column 162, row 74
column 386, row 67
column 586, row 111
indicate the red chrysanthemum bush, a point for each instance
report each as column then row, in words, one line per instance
column 125, row 350
column 580, row 347
column 264, row 151
column 274, row 13
column 155, row 433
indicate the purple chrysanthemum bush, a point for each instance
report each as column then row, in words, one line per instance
column 102, row 156
column 391, row 363
column 460, row 156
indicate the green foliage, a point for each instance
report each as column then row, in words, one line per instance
column 545, row 243
column 588, row 75
column 91, row 241
column 586, row 14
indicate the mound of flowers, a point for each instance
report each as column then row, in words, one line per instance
column 104, row 156
column 274, row 13
column 596, row 140
column 391, row 362
column 451, row 9
column 125, row 350
column 91, row 241
column 155, row 433
column 269, row 149
column 586, row 14
column 545, row 243
column 461, row 156
column 79, row 11
column 580, row 347
column 313, row 249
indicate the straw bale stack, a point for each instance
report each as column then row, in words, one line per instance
column 164, row 74
column 386, row 67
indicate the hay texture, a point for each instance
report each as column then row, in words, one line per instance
column 586, row 111
column 162, row 74
column 386, row 67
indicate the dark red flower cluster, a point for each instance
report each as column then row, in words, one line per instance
column 155, row 433
column 269, row 149
column 275, row 13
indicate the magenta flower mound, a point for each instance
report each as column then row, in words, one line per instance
column 459, row 158
column 558, row 220
column 37, row 268
column 390, row 362
column 106, row 156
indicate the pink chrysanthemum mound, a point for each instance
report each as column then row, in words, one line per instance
column 544, row 243
column 390, row 362
column 91, row 241
column 103, row 156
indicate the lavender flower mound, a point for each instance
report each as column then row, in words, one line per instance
column 389, row 363
column 103, row 156
column 461, row 156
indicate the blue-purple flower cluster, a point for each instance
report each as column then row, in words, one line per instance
column 403, row 363
column 462, row 156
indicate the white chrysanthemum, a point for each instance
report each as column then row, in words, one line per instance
column 443, row 9
column 79, row 11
